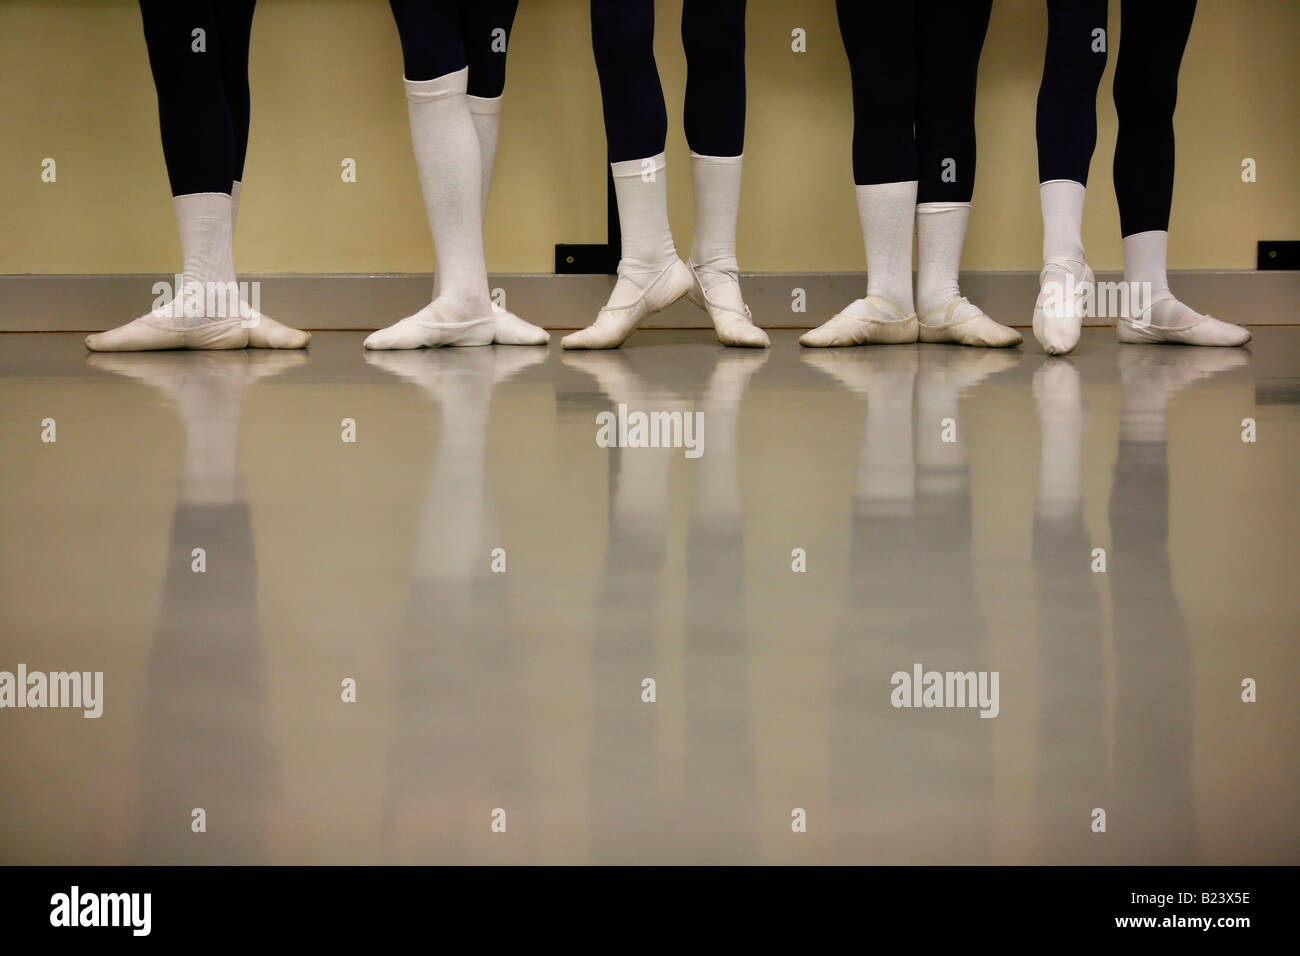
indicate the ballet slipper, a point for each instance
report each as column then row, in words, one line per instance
column 884, row 324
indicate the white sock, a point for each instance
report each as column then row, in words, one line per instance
column 650, row 276
column 887, row 211
column 945, row 315
column 1065, row 280
column 1062, row 202
column 886, row 314
column 485, row 111
column 716, row 181
column 264, row 332
column 641, row 187
column 449, row 160
column 203, row 220
column 236, row 188
column 940, row 234
column 1165, row 318
column 1145, row 255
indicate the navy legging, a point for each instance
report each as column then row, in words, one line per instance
column 443, row 36
column 202, row 85
column 1145, row 90
column 636, row 120
column 914, row 65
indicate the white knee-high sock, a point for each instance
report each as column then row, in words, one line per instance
column 940, row 234
column 887, row 211
column 449, row 160
column 485, row 112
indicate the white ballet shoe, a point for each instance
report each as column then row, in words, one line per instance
column 879, row 322
column 265, row 332
column 512, row 330
column 160, row 330
column 1063, row 293
column 615, row 323
column 1192, row 327
column 958, row 322
column 732, row 320
column 435, row 326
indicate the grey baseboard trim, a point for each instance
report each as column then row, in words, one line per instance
column 85, row 303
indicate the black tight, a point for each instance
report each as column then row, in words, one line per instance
column 202, row 84
column 636, row 120
column 1145, row 90
column 914, row 65
column 443, row 36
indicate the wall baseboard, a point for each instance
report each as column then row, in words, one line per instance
column 86, row 303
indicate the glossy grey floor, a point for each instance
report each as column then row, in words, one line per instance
column 1114, row 535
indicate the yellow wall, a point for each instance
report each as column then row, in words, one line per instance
column 75, row 86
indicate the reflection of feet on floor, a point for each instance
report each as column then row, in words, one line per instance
column 963, row 369
column 1151, row 374
column 1057, row 389
column 453, row 374
column 615, row 374
column 174, row 371
column 857, row 369
column 731, row 374
column 1172, row 369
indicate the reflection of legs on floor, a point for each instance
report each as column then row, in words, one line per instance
column 205, row 737
column 1152, row 817
column 459, row 749
column 721, row 776
column 1071, row 770
column 897, row 773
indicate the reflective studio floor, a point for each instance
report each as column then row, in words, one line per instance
column 947, row 506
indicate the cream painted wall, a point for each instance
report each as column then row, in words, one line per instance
column 75, row 86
